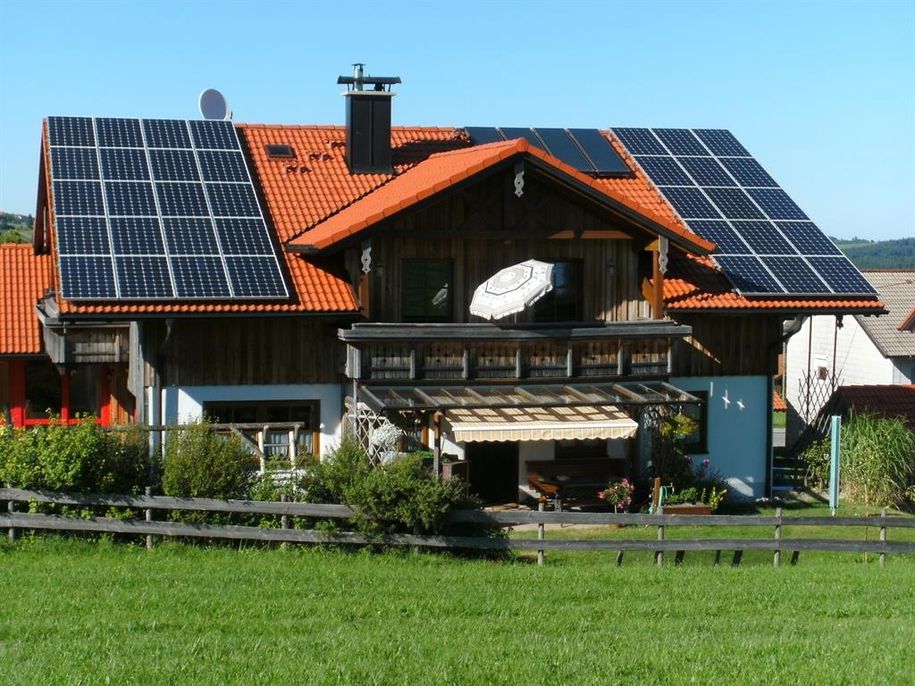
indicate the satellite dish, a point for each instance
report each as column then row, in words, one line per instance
column 213, row 105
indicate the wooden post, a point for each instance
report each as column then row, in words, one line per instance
column 284, row 519
column 794, row 555
column 655, row 494
column 437, row 444
column 882, row 557
column 657, row 282
column 678, row 558
column 11, row 508
column 149, row 518
column 659, row 554
column 777, row 557
column 619, row 558
column 717, row 557
column 738, row 556
column 541, row 534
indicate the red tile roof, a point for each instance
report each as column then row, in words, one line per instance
column 24, row 277
column 908, row 324
column 695, row 283
column 884, row 401
column 778, row 403
column 443, row 170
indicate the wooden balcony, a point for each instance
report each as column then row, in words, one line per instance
column 489, row 352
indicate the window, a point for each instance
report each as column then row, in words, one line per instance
column 42, row 390
column 427, row 290
column 697, row 442
column 279, row 150
column 563, row 303
column 275, row 441
column 84, row 391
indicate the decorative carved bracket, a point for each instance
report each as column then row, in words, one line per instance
column 519, row 179
column 366, row 257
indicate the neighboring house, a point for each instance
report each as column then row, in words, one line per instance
column 829, row 351
column 892, row 402
column 269, row 274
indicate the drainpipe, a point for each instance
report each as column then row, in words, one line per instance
column 157, row 411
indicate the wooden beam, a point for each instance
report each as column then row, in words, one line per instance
column 594, row 234
column 657, row 279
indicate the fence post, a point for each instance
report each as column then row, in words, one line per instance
column 149, row 518
column 883, row 535
column 777, row 558
column 541, row 533
column 659, row 554
column 284, row 520
column 11, row 508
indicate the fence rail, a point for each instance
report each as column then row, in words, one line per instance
column 13, row 520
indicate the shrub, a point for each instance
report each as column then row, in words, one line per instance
column 329, row 480
column 201, row 464
column 80, row 458
column 877, row 461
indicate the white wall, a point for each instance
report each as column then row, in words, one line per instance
column 185, row 403
column 737, row 430
column 857, row 360
column 531, row 451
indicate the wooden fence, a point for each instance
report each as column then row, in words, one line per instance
column 12, row 520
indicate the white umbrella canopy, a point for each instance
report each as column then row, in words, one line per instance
column 512, row 289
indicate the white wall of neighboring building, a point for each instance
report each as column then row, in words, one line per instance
column 857, row 360
column 738, row 424
column 182, row 404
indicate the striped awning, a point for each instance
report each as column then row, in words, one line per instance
column 539, row 423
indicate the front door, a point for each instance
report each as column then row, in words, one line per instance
column 493, row 471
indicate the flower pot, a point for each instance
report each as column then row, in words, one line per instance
column 688, row 509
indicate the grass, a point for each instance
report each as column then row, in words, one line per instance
column 76, row 612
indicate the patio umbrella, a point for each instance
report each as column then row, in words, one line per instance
column 512, row 289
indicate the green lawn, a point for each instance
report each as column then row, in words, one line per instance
column 82, row 613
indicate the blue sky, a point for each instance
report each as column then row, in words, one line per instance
column 823, row 93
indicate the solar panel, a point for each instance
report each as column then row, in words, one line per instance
column 166, row 133
column 210, row 134
column 664, row 171
column 78, row 197
column 795, row 274
column 765, row 242
column 119, row 133
column 124, row 163
column 763, row 238
column 174, row 165
column 706, row 171
column 680, row 142
column 747, row 171
column 200, row 277
column 87, row 278
column 148, row 231
column 130, row 198
column 721, row 233
column 136, row 236
column 691, row 203
column 74, row 163
column 560, row 144
column 808, row 238
column 510, row 133
column 595, row 145
column 82, row 235
column 182, row 200
column 721, row 142
column 776, row 203
column 190, row 236
column 143, row 277
column 640, row 141
column 748, row 274
column 481, row 135
column 841, row 275
column 71, row 131
column 734, row 203
column 218, row 165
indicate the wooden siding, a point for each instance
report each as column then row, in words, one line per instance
column 4, row 390
column 728, row 345
column 235, row 351
column 485, row 227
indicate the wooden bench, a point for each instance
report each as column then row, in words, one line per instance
column 574, row 479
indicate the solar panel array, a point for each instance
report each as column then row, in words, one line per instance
column 766, row 244
column 157, row 209
column 585, row 149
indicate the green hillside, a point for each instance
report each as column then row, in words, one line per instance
column 16, row 228
column 894, row 254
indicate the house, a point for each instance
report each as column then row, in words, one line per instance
column 889, row 401
column 323, row 275
column 829, row 352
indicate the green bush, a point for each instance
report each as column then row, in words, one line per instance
column 201, row 464
column 80, row 458
column 878, row 461
column 331, row 479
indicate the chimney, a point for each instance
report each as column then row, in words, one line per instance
column 368, row 121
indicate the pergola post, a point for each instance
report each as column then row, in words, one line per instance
column 437, row 443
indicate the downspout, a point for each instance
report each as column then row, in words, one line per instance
column 157, row 414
